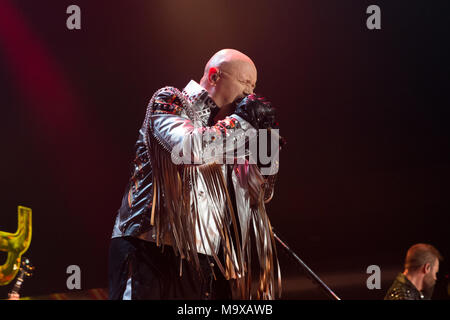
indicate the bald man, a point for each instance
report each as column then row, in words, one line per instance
column 228, row 76
column 183, row 229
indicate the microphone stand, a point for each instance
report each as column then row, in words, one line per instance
column 309, row 272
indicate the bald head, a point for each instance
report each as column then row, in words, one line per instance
column 231, row 60
column 229, row 75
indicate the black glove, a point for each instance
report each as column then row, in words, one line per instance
column 257, row 111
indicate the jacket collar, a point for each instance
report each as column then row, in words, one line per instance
column 405, row 281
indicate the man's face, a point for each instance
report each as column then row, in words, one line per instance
column 429, row 280
column 235, row 83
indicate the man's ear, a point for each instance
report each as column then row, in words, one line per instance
column 213, row 75
column 427, row 267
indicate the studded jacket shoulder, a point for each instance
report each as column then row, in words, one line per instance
column 403, row 289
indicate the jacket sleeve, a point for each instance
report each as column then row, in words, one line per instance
column 190, row 142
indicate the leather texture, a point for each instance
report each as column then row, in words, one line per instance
column 403, row 289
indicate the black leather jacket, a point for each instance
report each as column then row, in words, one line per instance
column 133, row 218
column 403, row 289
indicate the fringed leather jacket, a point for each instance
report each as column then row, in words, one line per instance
column 201, row 205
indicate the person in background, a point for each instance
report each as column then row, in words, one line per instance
column 419, row 277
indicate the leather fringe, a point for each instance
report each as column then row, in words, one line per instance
column 176, row 219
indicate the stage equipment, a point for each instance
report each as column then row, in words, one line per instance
column 15, row 244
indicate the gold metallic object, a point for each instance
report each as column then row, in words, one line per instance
column 15, row 244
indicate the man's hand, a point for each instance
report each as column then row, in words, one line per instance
column 257, row 111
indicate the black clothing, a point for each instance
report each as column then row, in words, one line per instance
column 154, row 276
column 133, row 218
column 403, row 289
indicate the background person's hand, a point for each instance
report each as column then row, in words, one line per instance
column 13, row 296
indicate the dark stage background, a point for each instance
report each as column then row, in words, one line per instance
column 366, row 170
